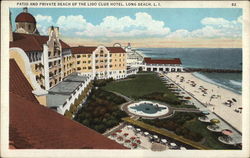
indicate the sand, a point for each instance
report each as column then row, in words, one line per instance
column 216, row 104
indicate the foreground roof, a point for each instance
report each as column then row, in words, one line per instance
column 90, row 50
column 162, row 61
column 34, row 126
column 19, row 84
column 32, row 42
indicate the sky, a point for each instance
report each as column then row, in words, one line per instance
column 143, row 27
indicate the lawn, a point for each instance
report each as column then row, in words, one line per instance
column 145, row 86
column 141, row 84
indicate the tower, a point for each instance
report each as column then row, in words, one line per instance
column 26, row 23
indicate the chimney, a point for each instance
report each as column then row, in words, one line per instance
column 25, row 10
column 10, row 29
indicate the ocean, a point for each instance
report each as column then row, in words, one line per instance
column 213, row 58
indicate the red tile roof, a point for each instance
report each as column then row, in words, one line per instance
column 25, row 17
column 19, row 84
column 89, row 50
column 33, row 126
column 32, row 42
column 162, row 61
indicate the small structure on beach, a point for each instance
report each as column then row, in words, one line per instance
column 162, row 65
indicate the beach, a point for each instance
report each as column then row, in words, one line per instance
column 223, row 102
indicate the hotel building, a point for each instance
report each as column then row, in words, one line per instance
column 100, row 62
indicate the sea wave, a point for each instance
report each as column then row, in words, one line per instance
column 206, row 79
column 235, row 82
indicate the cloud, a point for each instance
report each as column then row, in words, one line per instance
column 213, row 28
column 142, row 25
column 43, row 22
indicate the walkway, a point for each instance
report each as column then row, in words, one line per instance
column 123, row 96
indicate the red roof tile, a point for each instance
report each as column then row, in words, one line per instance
column 32, row 42
column 162, row 61
column 25, row 17
column 89, row 50
column 19, row 84
column 33, row 126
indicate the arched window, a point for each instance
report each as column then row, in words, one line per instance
column 29, row 27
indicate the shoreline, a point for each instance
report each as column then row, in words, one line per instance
column 216, row 103
column 217, row 84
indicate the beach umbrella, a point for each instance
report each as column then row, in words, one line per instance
column 227, row 132
column 119, row 131
column 132, row 138
column 233, row 99
column 138, row 141
column 146, row 133
column 214, row 121
column 129, row 126
column 183, row 148
column 188, row 98
column 138, row 129
column 205, row 112
column 113, row 134
column 155, row 136
column 173, row 144
column 127, row 141
column 134, row 145
column 125, row 134
column 163, row 140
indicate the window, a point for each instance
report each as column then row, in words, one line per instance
column 50, row 84
column 54, row 62
column 78, row 62
column 84, row 68
column 49, row 53
column 97, row 67
column 89, row 67
column 78, row 56
column 89, row 61
column 110, row 65
column 50, row 64
column 89, row 55
column 96, row 61
column 110, row 60
column 84, row 62
column 110, row 55
column 78, row 68
column 29, row 27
